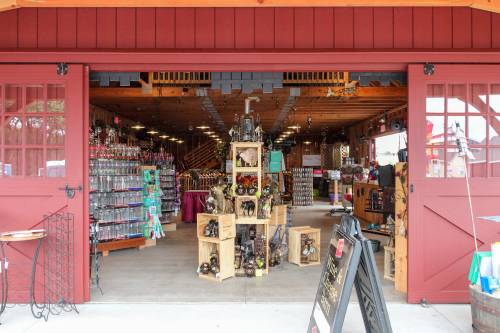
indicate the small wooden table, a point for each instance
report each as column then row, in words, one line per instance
column 19, row 236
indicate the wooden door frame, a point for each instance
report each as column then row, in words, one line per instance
column 250, row 60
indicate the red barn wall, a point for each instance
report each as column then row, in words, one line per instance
column 250, row 28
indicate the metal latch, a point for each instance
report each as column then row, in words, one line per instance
column 70, row 191
column 411, row 188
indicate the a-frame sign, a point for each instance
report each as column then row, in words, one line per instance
column 350, row 262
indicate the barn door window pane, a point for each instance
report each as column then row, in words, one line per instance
column 435, row 98
column 34, row 99
column 13, row 98
column 457, row 95
column 435, row 162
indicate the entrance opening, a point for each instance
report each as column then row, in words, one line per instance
column 314, row 144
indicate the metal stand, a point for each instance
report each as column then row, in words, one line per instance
column 95, row 265
column 58, row 253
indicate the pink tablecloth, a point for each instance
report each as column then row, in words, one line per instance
column 192, row 204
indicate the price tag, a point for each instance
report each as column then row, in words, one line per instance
column 340, row 248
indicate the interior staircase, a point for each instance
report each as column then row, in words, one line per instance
column 202, row 157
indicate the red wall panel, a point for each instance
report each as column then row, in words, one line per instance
column 403, row 28
column 86, row 28
column 323, row 28
column 8, row 29
column 422, row 28
column 264, row 28
column 224, row 28
column 28, row 26
column 284, row 28
column 106, row 28
column 383, row 33
column 251, row 28
column 363, row 28
column 344, row 24
column 47, row 27
column 184, row 28
column 481, row 29
column 126, row 28
column 66, row 28
column 205, row 28
column 146, row 28
column 442, row 28
column 165, row 28
column 244, row 28
column 303, row 28
column 462, row 35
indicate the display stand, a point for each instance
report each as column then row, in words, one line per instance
column 252, row 167
column 295, row 247
column 116, row 203
column 223, row 244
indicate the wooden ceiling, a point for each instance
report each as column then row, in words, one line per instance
column 490, row 5
column 180, row 115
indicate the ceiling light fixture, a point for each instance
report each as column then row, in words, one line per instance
column 138, row 127
column 209, row 132
column 307, row 143
column 173, row 139
column 180, row 141
column 203, row 127
column 164, row 136
column 152, row 132
column 295, row 127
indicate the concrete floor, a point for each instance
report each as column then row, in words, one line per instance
column 229, row 318
column 167, row 272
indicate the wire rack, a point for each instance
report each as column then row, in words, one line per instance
column 58, row 262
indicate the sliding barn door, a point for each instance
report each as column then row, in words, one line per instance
column 42, row 138
column 440, row 231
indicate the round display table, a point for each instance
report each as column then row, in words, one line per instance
column 17, row 237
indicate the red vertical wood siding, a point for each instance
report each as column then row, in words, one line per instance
column 66, row 37
column 47, row 28
column 205, row 28
column 224, row 28
column 146, row 28
column 344, row 24
column 244, row 28
column 106, row 26
column 250, row 28
column 383, row 28
column 323, row 28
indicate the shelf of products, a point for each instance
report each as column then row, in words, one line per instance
column 170, row 199
column 116, row 200
column 302, row 186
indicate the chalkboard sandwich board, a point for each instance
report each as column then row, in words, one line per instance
column 350, row 262
column 335, row 286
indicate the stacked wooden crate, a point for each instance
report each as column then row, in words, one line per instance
column 223, row 245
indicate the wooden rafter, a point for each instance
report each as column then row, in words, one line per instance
column 191, row 92
column 489, row 5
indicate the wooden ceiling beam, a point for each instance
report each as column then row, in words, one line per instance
column 362, row 92
column 489, row 5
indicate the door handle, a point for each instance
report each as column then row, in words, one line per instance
column 71, row 191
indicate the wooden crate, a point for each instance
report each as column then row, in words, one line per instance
column 262, row 226
column 105, row 247
column 225, row 249
column 227, row 227
column 389, row 263
column 295, row 245
column 279, row 215
column 242, row 198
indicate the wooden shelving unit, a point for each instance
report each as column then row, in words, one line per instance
column 262, row 225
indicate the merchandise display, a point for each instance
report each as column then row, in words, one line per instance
column 302, row 186
column 116, row 200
